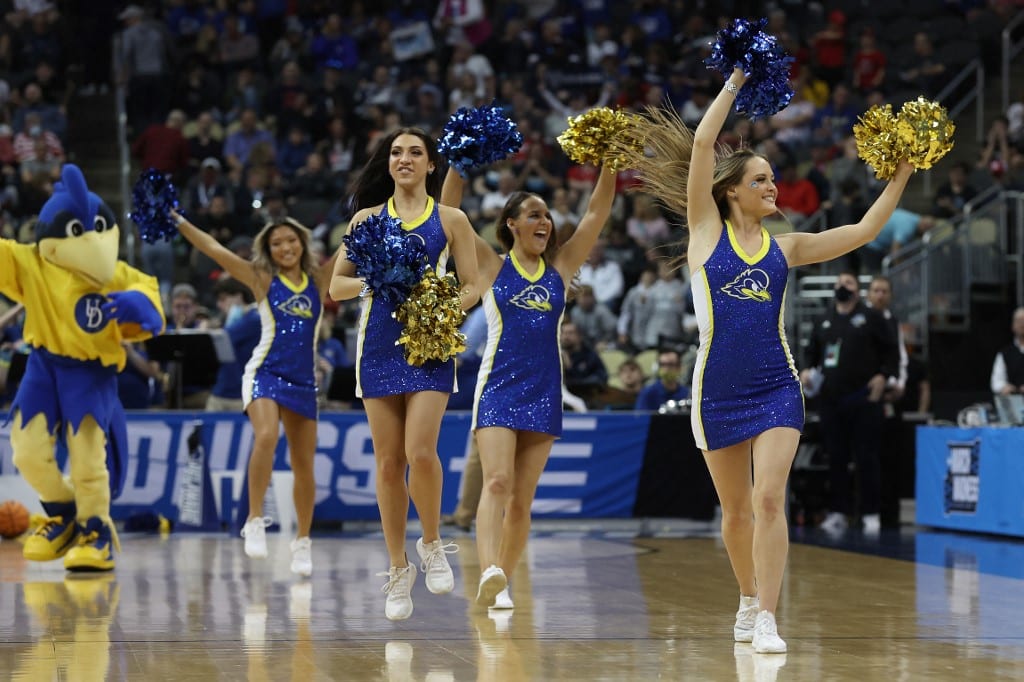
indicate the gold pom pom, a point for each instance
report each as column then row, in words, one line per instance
column 590, row 136
column 431, row 317
column 925, row 132
column 877, row 142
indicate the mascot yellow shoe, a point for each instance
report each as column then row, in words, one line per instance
column 95, row 548
column 55, row 536
column 81, row 305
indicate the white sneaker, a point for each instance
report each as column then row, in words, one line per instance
column 255, row 533
column 399, row 590
column 766, row 635
column 302, row 557
column 503, row 600
column 834, row 521
column 492, row 581
column 743, row 630
column 872, row 524
column 434, row 564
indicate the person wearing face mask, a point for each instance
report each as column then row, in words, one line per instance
column 242, row 324
column 666, row 386
column 856, row 352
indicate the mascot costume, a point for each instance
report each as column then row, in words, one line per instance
column 81, row 303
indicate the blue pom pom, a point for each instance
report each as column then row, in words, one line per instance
column 745, row 45
column 389, row 262
column 478, row 137
column 153, row 197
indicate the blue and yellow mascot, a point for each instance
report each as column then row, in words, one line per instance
column 81, row 304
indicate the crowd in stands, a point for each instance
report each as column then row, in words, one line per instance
column 263, row 108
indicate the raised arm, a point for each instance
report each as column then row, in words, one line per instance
column 701, row 211
column 574, row 252
column 234, row 265
column 801, row 248
column 488, row 262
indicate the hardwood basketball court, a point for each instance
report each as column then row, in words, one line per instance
column 626, row 601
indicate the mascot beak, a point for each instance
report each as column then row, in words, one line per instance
column 92, row 255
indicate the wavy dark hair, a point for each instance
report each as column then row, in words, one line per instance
column 374, row 186
column 513, row 207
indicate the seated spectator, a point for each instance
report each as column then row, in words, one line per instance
column 666, row 386
column 646, row 225
column 37, row 177
column 139, row 384
column 199, row 90
column 955, row 193
column 604, row 276
column 902, row 227
column 585, row 373
column 637, row 309
column 240, row 318
column 185, row 314
column 239, row 144
column 561, row 208
column 25, row 140
column 1008, row 366
column 237, row 48
column 595, row 322
column 201, row 189
column 51, row 117
column 834, row 121
column 792, row 125
column 926, row 73
column 293, row 151
column 340, row 150
column 828, row 49
column 205, row 141
column 797, row 197
column 668, row 316
column 163, row 146
column 631, row 377
column 494, row 200
column 868, row 64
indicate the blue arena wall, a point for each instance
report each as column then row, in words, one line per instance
column 596, row 469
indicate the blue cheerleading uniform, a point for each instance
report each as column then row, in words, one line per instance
column 381, row 367
column 282, row 366
column 744, row 380
column 520, row 381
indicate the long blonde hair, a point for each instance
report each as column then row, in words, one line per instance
column 663, row 161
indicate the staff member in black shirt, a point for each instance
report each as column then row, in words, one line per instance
column 853, row 353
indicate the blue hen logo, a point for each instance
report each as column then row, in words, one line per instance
column 533, row 297
column 298, row 305
column 750, row 285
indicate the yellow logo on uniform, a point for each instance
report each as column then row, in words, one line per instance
column 750, row 285
column 533, row 297
column 298, row 305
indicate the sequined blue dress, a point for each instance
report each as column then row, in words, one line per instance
column 520, row 381
column 282, row 366
column 381, row 368
column 744, row 380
